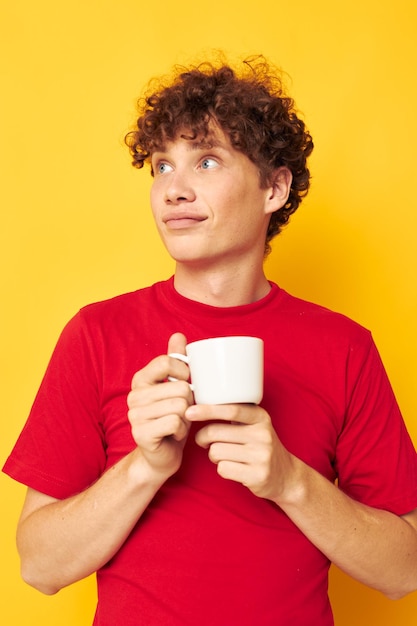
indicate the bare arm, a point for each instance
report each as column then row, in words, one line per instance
column 61, row 541
column 373, row 546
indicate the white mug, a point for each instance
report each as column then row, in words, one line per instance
column 225, row 370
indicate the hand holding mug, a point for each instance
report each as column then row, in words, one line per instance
column 157, row 410
column 241, row 441
column 225, row 370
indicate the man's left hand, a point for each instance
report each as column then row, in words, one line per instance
column 245, row 447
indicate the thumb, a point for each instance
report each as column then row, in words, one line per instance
column 177, row 343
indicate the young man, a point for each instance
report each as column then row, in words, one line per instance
column 228, row 514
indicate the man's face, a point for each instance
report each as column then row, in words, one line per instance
column 207, row 201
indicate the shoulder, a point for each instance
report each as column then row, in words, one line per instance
column 117, row 317
column 122, row 307
column 121, row 302
column 322, row 321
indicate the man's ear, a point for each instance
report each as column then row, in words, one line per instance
column 278, row 189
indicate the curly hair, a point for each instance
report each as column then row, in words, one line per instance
column 250, row 107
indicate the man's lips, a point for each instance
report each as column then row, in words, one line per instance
column 180, row 220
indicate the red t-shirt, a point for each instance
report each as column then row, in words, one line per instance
column 207, row 551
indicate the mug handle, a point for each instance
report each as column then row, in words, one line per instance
column 184, row 359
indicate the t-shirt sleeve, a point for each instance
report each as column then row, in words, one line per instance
column 61, row 449
column 376, row 462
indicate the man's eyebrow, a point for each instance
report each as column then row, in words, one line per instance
column 203, row 143
column 206, row 143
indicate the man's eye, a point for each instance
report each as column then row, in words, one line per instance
column 162, row 168
column 207, row 164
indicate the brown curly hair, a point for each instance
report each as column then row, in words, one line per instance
column 250, row 107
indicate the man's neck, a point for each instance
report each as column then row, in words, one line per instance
column 221, row 288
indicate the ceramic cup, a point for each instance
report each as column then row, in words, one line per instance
column 225, row 370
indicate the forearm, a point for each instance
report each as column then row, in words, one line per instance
column 66, row 540
column 373, row 546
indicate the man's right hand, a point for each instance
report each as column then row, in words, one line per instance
column 157, row 408
column 61, row 541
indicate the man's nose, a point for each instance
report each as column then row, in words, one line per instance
column 179, row 189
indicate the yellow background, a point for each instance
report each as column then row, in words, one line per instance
column 75, row 225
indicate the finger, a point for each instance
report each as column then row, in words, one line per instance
column 176, row 346
column 150, row 434
column 224, row 433
column 147, row 395
column 234, row 413
column 228, row 452
column 158, row 370
column 177, row 343
column 157, row 409
column 256, row 478
column 238, row 472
